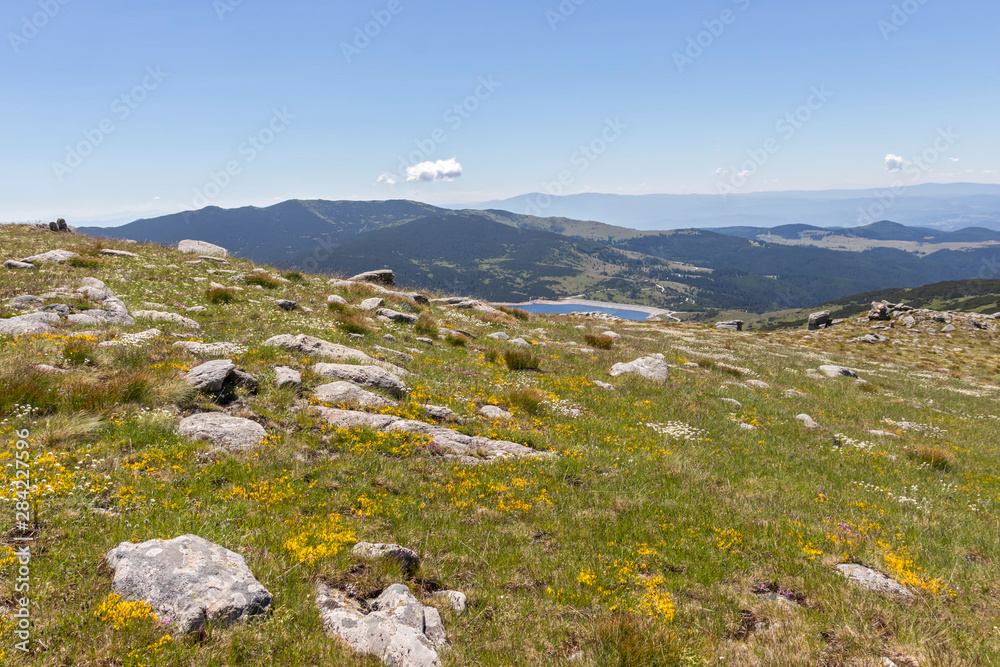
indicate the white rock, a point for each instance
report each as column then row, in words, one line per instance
column 173, row 318
column 652, row 367
column 202, row 248
column 231, row 433
column 494, row 412
column 807, row 422
column 351, row 395
column 837, row 371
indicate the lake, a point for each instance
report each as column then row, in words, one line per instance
column 567, row 308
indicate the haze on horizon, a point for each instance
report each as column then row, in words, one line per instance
column 118, row 110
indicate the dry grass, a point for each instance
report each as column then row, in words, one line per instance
column 600, row 341
column 521, row 360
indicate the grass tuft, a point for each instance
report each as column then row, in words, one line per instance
column 600, row 341
column 521, row 360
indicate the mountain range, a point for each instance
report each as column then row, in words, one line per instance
column 506, row 256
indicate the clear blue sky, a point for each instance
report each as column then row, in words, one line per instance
column 229, row 66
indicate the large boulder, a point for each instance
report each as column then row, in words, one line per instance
column 188, row 581
column 381, row 277
column 202, row 248
column 731, row 325
column 820, row 320
column 233, row 434
column 211, row 376
column 398, row 630
column 654, row 368
column 365, row 376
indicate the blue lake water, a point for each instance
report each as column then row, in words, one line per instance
column 566, row 309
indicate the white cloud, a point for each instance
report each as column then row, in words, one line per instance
column 720, row 172
column 894, row 163
column 442, row 170
column 387, row 178
column 956, row 159
column 744, row 173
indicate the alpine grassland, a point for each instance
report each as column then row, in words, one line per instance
column 669, row 526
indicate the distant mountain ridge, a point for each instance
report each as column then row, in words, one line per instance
column 942, row 206
column 500, row 255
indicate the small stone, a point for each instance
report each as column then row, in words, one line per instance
column 758, row 384
column 494, row 412
column 807, row 422
column 395, row 316
column 166, row 317
column 456, row 599
column 520, row 342
column 604, row 385
column 117, row 253
column 334, row 299
column 373, row 303
column 499, row 335
column 286, row 304
column 872, row 580
column 733, row 403
column 438, row 412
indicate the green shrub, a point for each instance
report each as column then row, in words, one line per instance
column 521, row 360
column 599, row 341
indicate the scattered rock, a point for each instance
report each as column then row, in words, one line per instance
column 950, row 328
column 117, row 253
column 351, row 395
column 381, row 277
column 408, row 559
column 373, row 303
column 807, row 422
column 654, row 368
column 880, row 311
column 399, row 631
column 872, row 580
column 731, row 325
column 494, row 412
column 45, row 368
column 365, row 376
column 758, row 384
column 733, row 403
column 286, row 304
column 793, row 393
column 520, row 342
column 334, row 299
column 19, row 266
column 395, row 316
column 612, row 335
column 909, row 321
column 133, row 338
column 188, row 581
column 604, row 385
column 24, row 302
column 287, row 377
column 56, row 256
column 173, row 318
column 233, row 434
column 202, row 248
column 499, row 335
column 401, row 356
column 837, row 371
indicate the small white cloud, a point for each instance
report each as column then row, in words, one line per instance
column 744, row 173
column 956, row 159
column 990, row 172
column 387, row 178
column 720, row 172
column 442, row 170
column 894, row 164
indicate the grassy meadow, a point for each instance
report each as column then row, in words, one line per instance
column 673, row 528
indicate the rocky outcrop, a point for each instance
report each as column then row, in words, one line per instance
column 872, row 580
column 730, row 325
column 351, row 395
column 383, row 277
column 32, row 323
column 464, row 448
column 820, row 320
column 55, row 256
column 397, row 630
column 321, row 348
column 389, row 315
column 188, row 581
column 287, row 377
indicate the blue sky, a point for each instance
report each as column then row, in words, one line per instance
column 121, row 108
